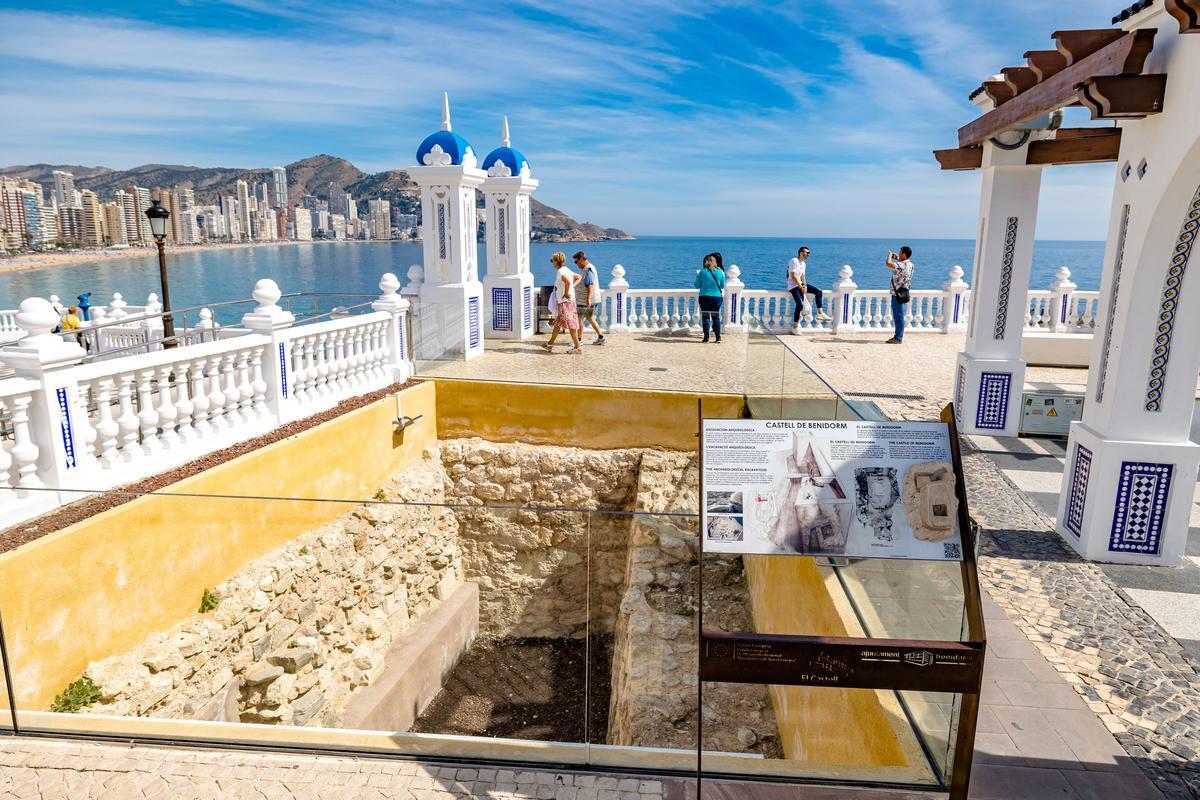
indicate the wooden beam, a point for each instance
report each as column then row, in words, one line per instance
column 1078, row 45
column 1063, row 134
column 1019, row 78
column 960, row 157
column 999, row 91
column 1046, row 63
column 1077, row 150
column 1125, row 56
column 1124, row 96
column 1186, row 13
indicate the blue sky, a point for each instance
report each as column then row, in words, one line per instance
column 746, row 118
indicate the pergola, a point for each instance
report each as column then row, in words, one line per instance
column 1132, row 469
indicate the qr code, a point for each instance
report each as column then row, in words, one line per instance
column 951, row 550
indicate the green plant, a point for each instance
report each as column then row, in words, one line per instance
column 78, row 695
column 208, row 601
column 380, row 496
column 304, row 550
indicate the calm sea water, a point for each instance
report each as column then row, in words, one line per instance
column 650, row 262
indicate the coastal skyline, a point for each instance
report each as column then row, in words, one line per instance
column 743, row 120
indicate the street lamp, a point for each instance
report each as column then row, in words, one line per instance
column 158, row 217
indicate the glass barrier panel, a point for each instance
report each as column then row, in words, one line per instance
column 7, row 721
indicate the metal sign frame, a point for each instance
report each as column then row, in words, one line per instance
column 855, row 662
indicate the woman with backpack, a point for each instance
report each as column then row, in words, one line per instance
column 710, row 280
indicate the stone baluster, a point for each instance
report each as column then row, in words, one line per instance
column 204, row 328
column 258, row 384
column 127, row 420
column 25, row 451
column 843, row 312
column 5, row 458
column 167, row 412
column 1062, row 301
column 216, row 397
column 731, row 310
column 391, row 303
column 200, row 403
column 341, row 380
column 93, row 334
column 233, row 394
column 299, row 395
column 184, row 406
column 106, row 426
column 616, row 296
column 245, row 387
column 324, row 384
column 147, row 415
column 954, row 302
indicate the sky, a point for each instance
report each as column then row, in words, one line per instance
column 802, row 118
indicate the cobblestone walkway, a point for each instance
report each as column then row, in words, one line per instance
column 60, row 770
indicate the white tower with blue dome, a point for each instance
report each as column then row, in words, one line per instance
column 508, row 285
column 452, row 309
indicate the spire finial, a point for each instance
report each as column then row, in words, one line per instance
column 504, row 134
column 445, row 111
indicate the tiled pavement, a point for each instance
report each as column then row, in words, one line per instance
column 1170, row 595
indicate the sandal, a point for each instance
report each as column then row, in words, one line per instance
column 575, row 351
column 549, row 348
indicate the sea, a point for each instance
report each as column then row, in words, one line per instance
column 198, row 277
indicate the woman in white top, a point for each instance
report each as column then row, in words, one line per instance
column 567, row 318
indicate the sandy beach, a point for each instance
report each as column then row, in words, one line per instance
column 59, row 258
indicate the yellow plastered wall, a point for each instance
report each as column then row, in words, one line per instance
column 818, row 724
column 102, row 585
column 576, row 416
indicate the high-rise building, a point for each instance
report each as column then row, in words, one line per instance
column 114, row 224
column 279, row 187
column 246, row 232
column 321, row 219
column 187, row 214
column 262, row 194
column 137, row 227
column 70, row 225
column 93, row 219
column 337, row 226
column 12, row 216
column 301, row 224
column 380, row 212
column 64, row 189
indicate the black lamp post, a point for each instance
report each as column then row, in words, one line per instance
column 158, row 217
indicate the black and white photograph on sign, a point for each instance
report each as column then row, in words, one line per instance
column 884, row 489
column 724, row 502
column 724, row 529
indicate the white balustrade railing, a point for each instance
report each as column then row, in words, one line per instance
column 72, row 424
column 10, row 331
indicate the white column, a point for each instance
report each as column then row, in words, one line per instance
column 57, row 422
column 843, row 302
column 618, row 299
column 508, row 284
column 954, row 317
column 270, row 320
column 452, row 295
column 732, row 305
column 1061, row 290
column 398, row 365
column 990, row 374
column 1131, row 469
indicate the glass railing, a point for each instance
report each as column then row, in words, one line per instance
column 528, row 597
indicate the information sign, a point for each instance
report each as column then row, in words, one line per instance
column 830, row 488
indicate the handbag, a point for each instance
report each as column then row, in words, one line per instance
column 902, row 295
column 552, row 303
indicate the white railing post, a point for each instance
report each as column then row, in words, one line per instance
column 391, row 303
column 416, row 276
column 116, row 307
column 616, row 297
column 954, row 308
column 732, row 306
column 269, row 319
column 1061, row 290
column 58, row 424
column 844, row 316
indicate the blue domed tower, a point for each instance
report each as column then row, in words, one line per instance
column 451, row 295
column 508, row 285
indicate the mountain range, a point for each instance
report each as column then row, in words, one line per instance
column 307, row 176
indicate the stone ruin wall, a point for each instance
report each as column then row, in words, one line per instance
column 299, row 629
column 654, row 667
column 534, row 567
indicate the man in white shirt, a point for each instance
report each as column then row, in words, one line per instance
column 798, row 286
column 589, row 302
column 902, row 268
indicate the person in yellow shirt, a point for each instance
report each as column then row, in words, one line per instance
column 71, row 323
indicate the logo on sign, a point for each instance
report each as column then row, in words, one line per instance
column 921, row 658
